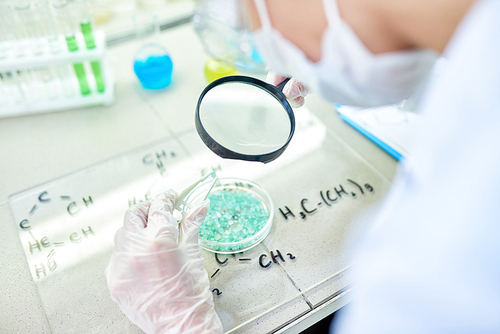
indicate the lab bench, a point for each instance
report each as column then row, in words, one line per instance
column 67, row 178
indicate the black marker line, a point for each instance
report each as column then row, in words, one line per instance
column 304, row 208
column 41, row 199
column 245, row 259
column 328, row 196
column 51, row 253
column 215, row 273
column 262, row 264
column 357, row 185
column 219, row 261
column 33, row 210
column 323, row 197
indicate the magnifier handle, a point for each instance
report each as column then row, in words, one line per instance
column 282, row 84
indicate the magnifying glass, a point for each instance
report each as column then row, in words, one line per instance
column 244, row 118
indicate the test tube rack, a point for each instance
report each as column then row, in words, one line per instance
column 13, row 65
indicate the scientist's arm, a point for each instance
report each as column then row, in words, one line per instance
column 156, row 275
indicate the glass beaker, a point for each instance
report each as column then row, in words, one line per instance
column 152, row 64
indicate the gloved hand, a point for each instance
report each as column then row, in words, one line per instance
column 156, row 275
column 294, row 90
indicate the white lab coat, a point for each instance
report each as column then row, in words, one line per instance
column 431, row 261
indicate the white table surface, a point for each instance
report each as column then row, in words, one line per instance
column 40, row 148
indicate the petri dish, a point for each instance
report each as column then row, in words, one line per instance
column 240, row 215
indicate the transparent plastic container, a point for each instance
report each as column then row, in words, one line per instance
column 240, row 216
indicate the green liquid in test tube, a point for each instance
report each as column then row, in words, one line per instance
column 79, row 69
column 86, row 27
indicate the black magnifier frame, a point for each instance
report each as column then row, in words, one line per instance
column 227, row 153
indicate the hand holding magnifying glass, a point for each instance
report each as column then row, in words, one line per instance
column 294, row 90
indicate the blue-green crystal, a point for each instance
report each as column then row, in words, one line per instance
column 233, row 216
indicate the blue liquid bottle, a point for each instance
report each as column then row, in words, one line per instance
column 153, row 66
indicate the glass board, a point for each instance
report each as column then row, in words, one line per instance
column 318, row 186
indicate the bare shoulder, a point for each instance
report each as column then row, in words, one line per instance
column 423, row 23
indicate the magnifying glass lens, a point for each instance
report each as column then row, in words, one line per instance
column 244, row 118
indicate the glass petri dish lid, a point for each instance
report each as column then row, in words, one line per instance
column 240, row 215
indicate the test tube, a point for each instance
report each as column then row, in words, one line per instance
column 4, row 31
column 88, row 35
column 4, row 96
column 11, row 88
column 4, row 42
column 48, row 26
column 69, row 86
column 48, row 81
column 30, row 85
column 15, row 29
column 66, row 21
column 27, row 17
column 14, row 85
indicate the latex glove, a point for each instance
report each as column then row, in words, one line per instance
column 294, row 90
column 156, row 275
